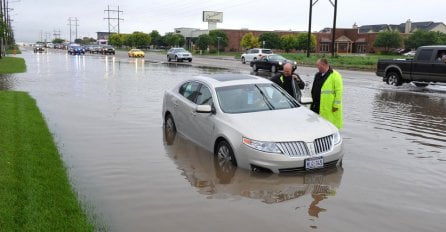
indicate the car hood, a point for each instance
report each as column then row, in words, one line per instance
column 297, row 124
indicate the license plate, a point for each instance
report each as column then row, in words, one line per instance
column 315, row 162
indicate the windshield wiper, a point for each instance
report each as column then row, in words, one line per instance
column 268, row 103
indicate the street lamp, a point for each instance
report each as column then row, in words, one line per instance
column 263, row 44
column 218, row 45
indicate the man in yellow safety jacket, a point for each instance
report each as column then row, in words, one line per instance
column 327, row 93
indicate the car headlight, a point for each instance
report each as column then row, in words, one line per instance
column 270, row 147
column 337, row 138
column 280, row 63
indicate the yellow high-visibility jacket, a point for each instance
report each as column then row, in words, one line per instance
column 331, row 96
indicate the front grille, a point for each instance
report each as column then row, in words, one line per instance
column 293, row 149
column 323, row 144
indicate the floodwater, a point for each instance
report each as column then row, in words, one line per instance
column 105, row 115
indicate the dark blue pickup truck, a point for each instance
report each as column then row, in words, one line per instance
column 428, row 66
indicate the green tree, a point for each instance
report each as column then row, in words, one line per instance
column 174, row 40
column 302, row 41
column 203, row 41
column 116, row 40
column 249, row 41
column 388, row 40
column 288, row 42
column 156, row 38
column 58, row 41
column 78, row 41
column 218, row 38
column 138, row 39
column 272, row 40
column 87, row 40
column 422, row 38
column 441, row 37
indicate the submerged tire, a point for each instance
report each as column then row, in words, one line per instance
column 394, row 78
column 225, row 154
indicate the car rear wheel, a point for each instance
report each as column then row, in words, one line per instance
column 254, row 68
column 224, row 154
column 393, row 78
column 273, row 69
column 243, row 60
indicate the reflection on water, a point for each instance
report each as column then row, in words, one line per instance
column 419, row 118
column 6, row 81
column 204, row 173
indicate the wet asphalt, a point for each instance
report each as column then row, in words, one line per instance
column 105, row 115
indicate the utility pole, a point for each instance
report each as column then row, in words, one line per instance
column 70, row 23
column 335, row 5
column 113, row 27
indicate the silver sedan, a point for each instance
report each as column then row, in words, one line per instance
column 250, row 122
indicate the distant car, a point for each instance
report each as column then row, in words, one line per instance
column 38, row 48
column 95, row 49
column 255, row 54
column 108, row 49
column 252, row 123
column 136, row 53
column 179, row 54
column 272, row 63
column 411, row 53
column 75, row 50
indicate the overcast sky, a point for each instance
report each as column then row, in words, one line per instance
column 33, row 19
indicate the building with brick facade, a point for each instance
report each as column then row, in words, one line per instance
column 348, row 40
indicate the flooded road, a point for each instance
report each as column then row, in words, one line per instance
column 105, row 115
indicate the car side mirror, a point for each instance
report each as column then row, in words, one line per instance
column 203, row 109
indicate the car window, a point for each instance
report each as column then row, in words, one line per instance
column 267, row 51
column 425, row 55
column 189, row 90
column 252, row 98
column 254, row 51
column 204, row 96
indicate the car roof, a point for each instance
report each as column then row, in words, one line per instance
column 221, row 80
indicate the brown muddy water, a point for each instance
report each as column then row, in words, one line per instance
column 105, row 115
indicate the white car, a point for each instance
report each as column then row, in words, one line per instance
column 411, row 53
column 252, row 123
column 255, row 54
column 179, row 54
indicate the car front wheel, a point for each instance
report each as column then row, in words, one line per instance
column 169, row 124
column 224, row 153
column 168, row 58
column 243, row 60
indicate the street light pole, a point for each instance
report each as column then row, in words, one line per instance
column 218, row 45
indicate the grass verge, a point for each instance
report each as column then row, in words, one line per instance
column 12, row 65
column 35, row 193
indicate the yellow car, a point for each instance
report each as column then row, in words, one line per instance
column 136, row 53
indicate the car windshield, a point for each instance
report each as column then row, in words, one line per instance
column 253, row 98
column 276, row 57
column 180, row 50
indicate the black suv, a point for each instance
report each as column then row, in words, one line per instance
column 107, row 49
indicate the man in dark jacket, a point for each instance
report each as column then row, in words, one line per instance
column 285, row 80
